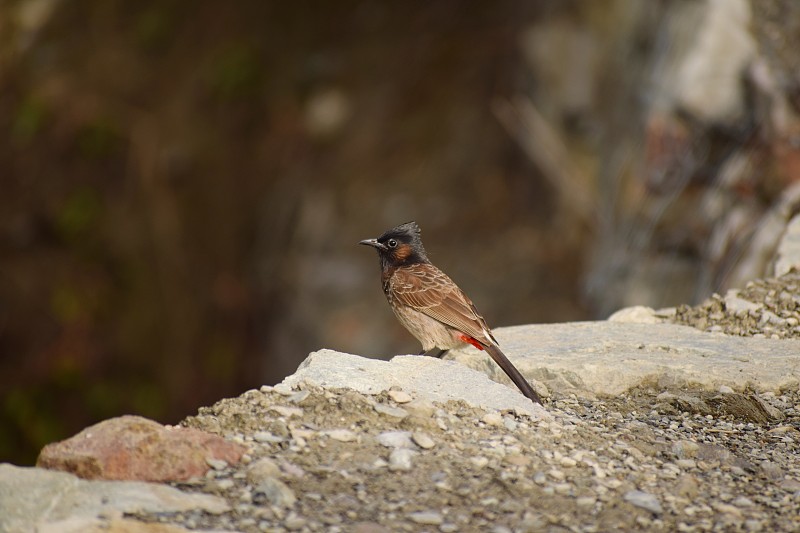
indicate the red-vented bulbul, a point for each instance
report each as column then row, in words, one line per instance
column 430, row 305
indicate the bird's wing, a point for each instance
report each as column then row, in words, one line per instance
column 429, row 290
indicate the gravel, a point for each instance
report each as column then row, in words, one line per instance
column 649, row 459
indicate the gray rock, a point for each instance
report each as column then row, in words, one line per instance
column 396, row 439
column 430, row 518
column 390, row 411
column 32, row 499
column 608, row 358
column 644, row 500
column 400, row 459
column 276, row 492
column 425, row 378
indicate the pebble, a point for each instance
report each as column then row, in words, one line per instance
column 400, row 459
column 428, row 518
column 643, row 500
column 396, row 439
column 390, row 411
column 262, row 469
column 299, row 396
column 266, row 436
column 216, row 464
column 492, row 419
column 276, row 492
column 342, row 435
column 399, row 396
column 287, row 412
column 423, row 440
column 479, row 461
column 283, row 390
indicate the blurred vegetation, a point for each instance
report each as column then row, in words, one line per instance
column 184, row 184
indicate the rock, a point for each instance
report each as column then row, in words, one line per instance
column 266, row 436
column 342, row 435
column 400, row 459
column 429, row 518
column 33, row 499
column 135, row 448
column 262, row 469
column 396, row 439
column 426, row 378
column 638, row 314
column 643, row 500
column 737, row 305
column 275, row 492
column 771, row 470
column 492, row 419
column 423, row 440
column 400, row 396
column 685, row 449
column 608, row 358
column 392, row 412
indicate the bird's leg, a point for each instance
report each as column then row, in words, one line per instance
column 435, row 352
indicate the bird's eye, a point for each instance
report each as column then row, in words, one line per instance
column 391, row 243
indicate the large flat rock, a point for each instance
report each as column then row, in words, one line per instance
column 33, row 499
column 423, row 377
column 607, row 358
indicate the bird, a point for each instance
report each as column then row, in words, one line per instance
column 430, row 305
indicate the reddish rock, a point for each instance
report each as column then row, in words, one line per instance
column 135, row 448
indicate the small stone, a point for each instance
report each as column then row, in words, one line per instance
column 724, row 389
column 492, row 419
column 448, row 527
column 393, row 412
column 685, row 449
column 585, row 501
column 643, row 500
column 283, row 390
column 299, row 396
column 266, row 436
column 429, row 518
column 294, row 522
column 562, row 488
column 743, row 501
column 686, row 463
column 399, row 396
column 396, row 439
column 556, row 474
column 400, row 459
column 727, row 509
column 510, row 424
column 288, row 412
column 423, row 440
column 479, row 461
column 216, row 464
column 262, row 469
column 276, row 492
column 342, row 435
column 568, row 462
column 771, row 470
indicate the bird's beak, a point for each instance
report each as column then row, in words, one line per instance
column 374, row 243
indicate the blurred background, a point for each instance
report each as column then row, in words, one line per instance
column 183, row 183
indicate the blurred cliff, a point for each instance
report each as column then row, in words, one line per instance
column 183, row 183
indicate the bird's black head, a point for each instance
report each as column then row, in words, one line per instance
column 399, row 246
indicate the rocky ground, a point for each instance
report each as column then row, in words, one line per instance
column 324, row 459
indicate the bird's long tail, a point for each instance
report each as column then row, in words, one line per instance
column 512, row 372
